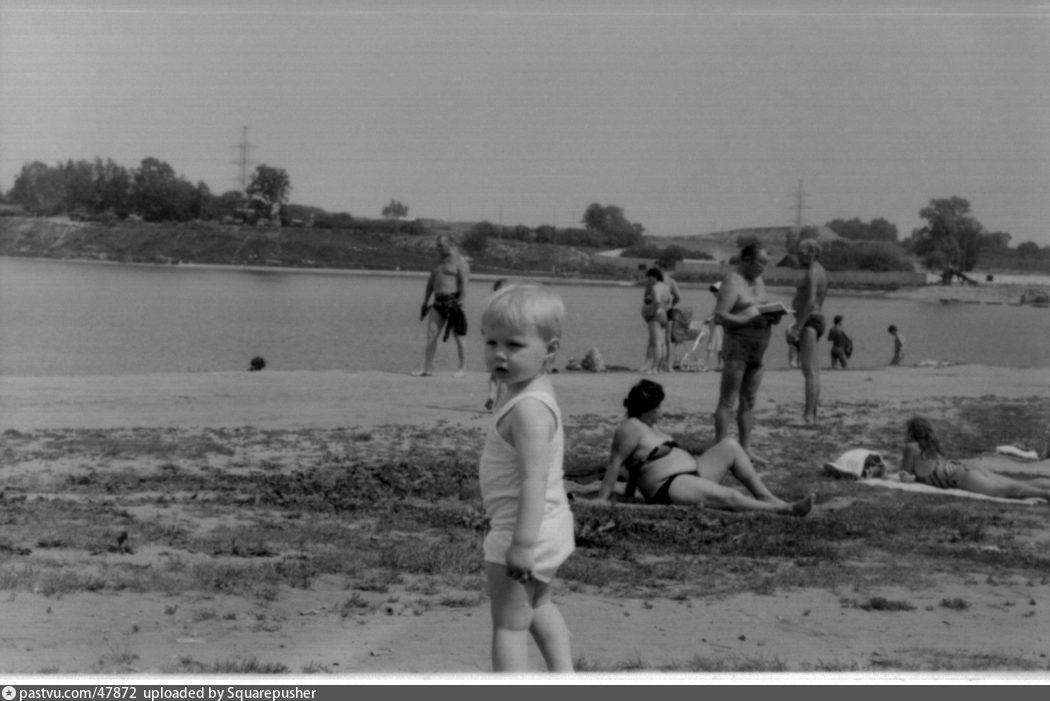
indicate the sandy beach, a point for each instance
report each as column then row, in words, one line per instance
column 802, row 628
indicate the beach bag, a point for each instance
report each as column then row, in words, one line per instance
column 593, row 361
column 855, row 464
column 847, row 345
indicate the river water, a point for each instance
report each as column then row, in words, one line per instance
column 79, row 318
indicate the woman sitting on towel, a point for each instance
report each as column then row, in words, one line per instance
column 667, row 474
column 924, row 460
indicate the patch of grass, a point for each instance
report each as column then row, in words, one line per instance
column 188, row 665
column 119, row 657
column 879, row 603
column 732, row 663
column 955, row 604
column 356, row 604
column 465, row 601
column 582, row 664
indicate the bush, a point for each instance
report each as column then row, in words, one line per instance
column 876, row 256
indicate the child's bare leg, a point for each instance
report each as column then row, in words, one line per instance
column 550, row 632
column 511, row 607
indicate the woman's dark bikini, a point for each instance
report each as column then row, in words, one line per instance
column 663, row 493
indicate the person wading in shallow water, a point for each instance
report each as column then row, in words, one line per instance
column 448, row 283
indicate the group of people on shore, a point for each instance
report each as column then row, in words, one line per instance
column 531, row 529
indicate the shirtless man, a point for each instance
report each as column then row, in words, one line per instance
column 746, row 337
column 448, row 283
column 809, row 323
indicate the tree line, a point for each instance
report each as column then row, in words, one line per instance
column 106, row 190
column 951, row 239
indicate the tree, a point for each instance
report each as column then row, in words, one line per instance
column 610, row 221
column 39, row 189
column 856, row 230
column 269, row 189
column 112, row 187
column 996, row 241
column 158, row 194
column 78, row 179
column 951, row 237
column 476, row 240
column 395, row 210
column 1028, row 248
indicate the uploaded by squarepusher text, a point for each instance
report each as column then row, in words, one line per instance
column 158, row 693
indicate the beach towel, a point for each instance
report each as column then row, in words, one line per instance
column 856, row 464
column 927, row 489
column 1015, row 452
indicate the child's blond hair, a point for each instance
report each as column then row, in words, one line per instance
column 523, row 304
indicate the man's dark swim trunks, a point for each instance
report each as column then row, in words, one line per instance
column 745, row 348
column 455, row 319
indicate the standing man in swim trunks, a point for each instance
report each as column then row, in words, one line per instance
column 448, row 283
column 809, row 323
column 746, row 337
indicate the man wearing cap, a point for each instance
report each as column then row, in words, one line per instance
column 809, row 323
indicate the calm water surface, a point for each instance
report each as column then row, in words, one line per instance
column 75, row 318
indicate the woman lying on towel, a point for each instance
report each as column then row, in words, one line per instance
column 667, row 474
column 924, row 461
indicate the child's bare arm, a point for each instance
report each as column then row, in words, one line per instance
column 532, row 427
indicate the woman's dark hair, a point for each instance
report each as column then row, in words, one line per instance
column 921, row 431
column 655, row 273
column 750, row 251
column 838, row 318
column 892, row 329
column 643, row 397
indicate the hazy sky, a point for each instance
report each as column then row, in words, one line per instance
column 691, row 116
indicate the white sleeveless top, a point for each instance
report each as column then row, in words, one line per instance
column 500, row 473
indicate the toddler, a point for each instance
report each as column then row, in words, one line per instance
column 530, row 524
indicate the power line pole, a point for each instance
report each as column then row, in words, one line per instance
column 800, row 204
column 242, row 161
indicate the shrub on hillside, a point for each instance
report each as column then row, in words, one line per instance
column 876, row 256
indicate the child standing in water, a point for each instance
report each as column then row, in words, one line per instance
column 531, row 527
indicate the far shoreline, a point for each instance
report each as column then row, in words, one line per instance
column 993, row 293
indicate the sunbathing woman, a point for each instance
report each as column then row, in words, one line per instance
column 667, row 474
column 924, row 460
